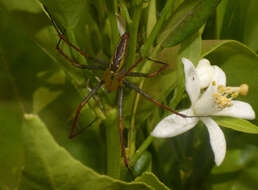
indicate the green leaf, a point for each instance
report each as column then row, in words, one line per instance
column 49, row 166
column 29, row 16
column 187, row 19
column 65, row 12
column 150, row 179
column 42, row 97
column 235, row 21
column 11, row 149
column 240, row 65
column 238, row 171
column 237, row 124
column 142, row 164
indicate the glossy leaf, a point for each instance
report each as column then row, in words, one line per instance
column 187, row 19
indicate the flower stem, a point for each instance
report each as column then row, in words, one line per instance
column 141, row 149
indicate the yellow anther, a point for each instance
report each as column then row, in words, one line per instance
column 235, row 94
column 243, row 89
column 223, row 97
column 221, row 90
column 227, row 100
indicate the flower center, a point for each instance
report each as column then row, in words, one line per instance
column 223, row 97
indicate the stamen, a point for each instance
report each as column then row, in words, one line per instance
column 224, row 95
column 234, row 95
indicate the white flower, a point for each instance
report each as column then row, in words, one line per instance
column 216, row 100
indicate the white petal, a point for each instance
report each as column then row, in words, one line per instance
column 238, row 109
column 217, row 140
column 174, row 125
column 206, row 105
column 192, row 82
column 205, row 72
column 219, row 76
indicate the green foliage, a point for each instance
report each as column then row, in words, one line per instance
column 66, row 13
column 49, row 166
column 187, row 19
column 35, row 152
column 237, row 124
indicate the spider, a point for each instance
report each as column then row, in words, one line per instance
column 114, row 79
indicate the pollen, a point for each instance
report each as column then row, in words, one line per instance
column 213, row 83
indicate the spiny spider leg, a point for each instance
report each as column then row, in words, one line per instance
column 153, row 74
column 72, row 132
column 148, row 97
column 120, row 124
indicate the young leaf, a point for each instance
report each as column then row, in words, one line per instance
column 187, row 19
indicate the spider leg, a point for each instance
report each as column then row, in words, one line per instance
column 62, row 37
column 120, row 107
column 148, row 97
column 72, row 132
column 148, row 75
column 138, row 74
column 74, row 63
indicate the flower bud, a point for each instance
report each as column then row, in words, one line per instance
column 205, row 72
